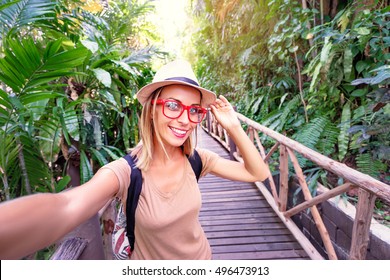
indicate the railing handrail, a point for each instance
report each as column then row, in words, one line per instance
column 370, row 184
column 369, row 188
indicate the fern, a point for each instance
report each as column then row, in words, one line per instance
column 310, row 135
column 366, row 164
column 327, row 143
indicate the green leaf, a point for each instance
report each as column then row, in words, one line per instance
column 67, row 59
column 61, row 184
column 71, row 124
column 348, row 59
column 107, row 95
column 126, row 132
column 293, row 49
column 325, row 51
column 345, row 124
column 34, row 97
column 359, row 92
column 85, row 168
column 4, row 100
column 361, row 66
column 315, row 77
column 363, row 31
column 90, row 45
column 99, row 156
column 111, row 154
column 103, row 76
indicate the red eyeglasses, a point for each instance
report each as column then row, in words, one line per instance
column 173, row 109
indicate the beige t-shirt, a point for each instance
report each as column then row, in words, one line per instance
column 167, row 224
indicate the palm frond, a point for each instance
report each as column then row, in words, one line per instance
column 24, row 70
column 22, row 13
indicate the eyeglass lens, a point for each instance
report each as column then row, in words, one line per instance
column 173, row 109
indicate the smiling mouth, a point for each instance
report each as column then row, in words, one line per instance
column 179, row 132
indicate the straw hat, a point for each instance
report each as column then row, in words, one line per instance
column 173, row 73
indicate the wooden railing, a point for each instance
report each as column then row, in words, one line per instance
column 369, row 189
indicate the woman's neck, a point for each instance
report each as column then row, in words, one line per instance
column 170, row 154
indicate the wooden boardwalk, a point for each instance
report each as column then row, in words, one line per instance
column 238, row 221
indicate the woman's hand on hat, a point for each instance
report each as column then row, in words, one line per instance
column 224, row 113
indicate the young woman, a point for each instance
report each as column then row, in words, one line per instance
column 167, row 225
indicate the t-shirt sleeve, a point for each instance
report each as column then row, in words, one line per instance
column 122, row 170
column 209, row 159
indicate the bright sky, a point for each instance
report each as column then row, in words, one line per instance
column 171, row 20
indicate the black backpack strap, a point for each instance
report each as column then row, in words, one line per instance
column 132, row 198
column 196, row 164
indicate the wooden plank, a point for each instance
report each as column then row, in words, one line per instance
column 217, row 212
column 251, row 240
column 319, row 199
column 243, row 226
column 239, row 199
column 267, row 255
column 228, row 216
column 70, row 249
column 246, row 233
column 239, row 222
column 256, row 247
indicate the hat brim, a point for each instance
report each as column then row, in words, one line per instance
column 208, row 97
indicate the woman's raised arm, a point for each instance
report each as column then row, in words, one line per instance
column 253, row 169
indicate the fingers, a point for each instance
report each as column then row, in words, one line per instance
column 223, row 98
column 222, row 103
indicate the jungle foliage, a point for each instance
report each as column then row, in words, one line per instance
column 68, row 75
column 322, row 78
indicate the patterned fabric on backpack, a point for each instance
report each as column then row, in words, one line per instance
column 120, row 242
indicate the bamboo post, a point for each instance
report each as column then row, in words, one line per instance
column 315, row 213
column 271, row 151
column 283, row 183
column 361, row 225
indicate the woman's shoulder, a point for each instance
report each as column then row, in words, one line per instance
column 122, row 170
column 205, row 152
column 209, row 159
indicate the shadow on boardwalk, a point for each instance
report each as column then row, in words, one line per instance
column 238, row 221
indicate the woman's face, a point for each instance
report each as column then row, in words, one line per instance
column 174, row 132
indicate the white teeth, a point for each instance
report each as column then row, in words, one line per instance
column 179, row 131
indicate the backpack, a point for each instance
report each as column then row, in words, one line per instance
column 123, row 238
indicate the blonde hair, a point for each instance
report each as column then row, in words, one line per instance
column 145, row 148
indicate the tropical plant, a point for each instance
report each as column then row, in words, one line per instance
column 321, row 76
column 67, row 90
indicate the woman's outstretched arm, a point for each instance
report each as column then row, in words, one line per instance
column 33, row 222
